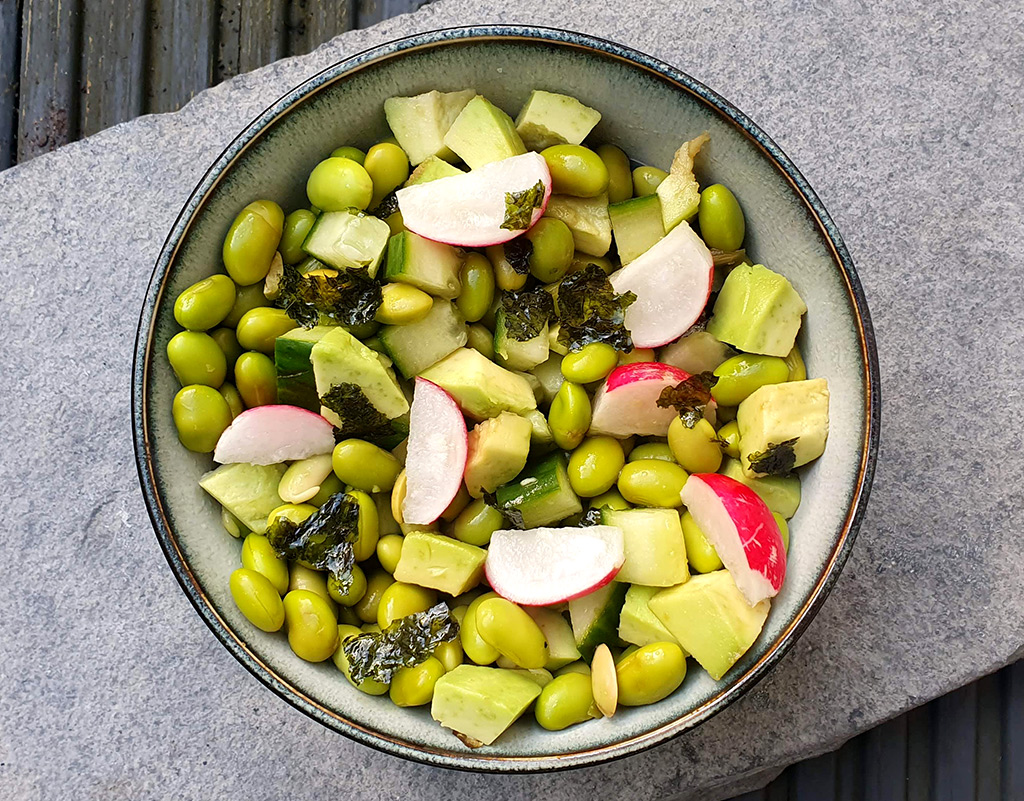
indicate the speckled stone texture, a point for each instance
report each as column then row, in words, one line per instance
column 906, row 118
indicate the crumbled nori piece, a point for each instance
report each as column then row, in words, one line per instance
column 359, row 417
column 592, row 517
column 510, row 513
column 690, row 397
column 346, row 297
column 526, row 312
column 778, row 459
column 517, row 254
column 519, row 207
column 589, row 311
column 324, row 539
column 728, row 258
column 405, row 643
column 387, row 206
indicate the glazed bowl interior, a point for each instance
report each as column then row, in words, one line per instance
column 649, row 110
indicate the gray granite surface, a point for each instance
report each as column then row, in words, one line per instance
column 906, row 118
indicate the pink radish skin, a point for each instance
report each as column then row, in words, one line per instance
column 544, row 566
column 273, row 434
column 627, row 402
column 741, row 528
column 672, row 282
column 437, row 453
column 468, row 210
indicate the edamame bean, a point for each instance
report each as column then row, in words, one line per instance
column 696, row 449
column 477, row 522
column 205, row 304
column 364, row 466
column 256, row 379
column 396, row 223
column 365, row 545
column 513, row 633
column 457, row 505
column 565, row 701
column 590, row 363
column 569, row 415
column 741, row 375
column 652, row 450
column 196, row 359
column 552, row 249
column 232, row 525
column 252, row 242
column 233, row 399
column 620, row 179
column 797, row 368
column 259, row 555
column 368, row 686
column 400, row 600
column 302, row 480
column 296, row 228
column 301, row 577
column 652, row 482
column 388, row 168
column 505, row 276
column 610, row 500
column 476, row 648
column 414, row 686
column 200, row 414
column 481, row 340
column 449, row 654
column 257, row 599
column 646, row 180
column 228, row 343
column 729, row 434
column 574, row 667
column 650, row 673
column 783, row 529
column 594, row 466
column 246, row 299
column 312, row 626
column 337, row 184
column 259, row 328
column 356, row 588
column 354, row 153
column 402, row 304
column 376, row 583
column 580, row 260
column 701, row 554
column 637, row 355
column 721, row 219
column 389, row 551
column 331, row 485
column 477, row 279
column 576, row 170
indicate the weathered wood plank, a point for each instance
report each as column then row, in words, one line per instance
column 814, row 779
column 252, row 33
column 373, row 11
column 1013, row 732
column 9, row 56
column 850, row 771
column 919, row 751
column 313, row 22
column 180, row 50
column 990, row 740
column 954, row 736
column 885, row 761
column 113, row 66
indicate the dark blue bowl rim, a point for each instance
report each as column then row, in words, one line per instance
column 480, row 760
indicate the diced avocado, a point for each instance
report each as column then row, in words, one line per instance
column 549, row 376
column 531, row 379
column 757, row 311
column 552, row 119
column 427, row 265
column 696, row 352
column 386, row 522
column 561, row 643
column 778, row 413
column 416, row 346
column 515, row 354
column 636, row 225
column 431, row 169
column 295, row 383
column 595, row 617
column 653, row 541
column 587, row 218
column 248, row 491
column 541, row 676
column 541, row 435
column 498, row 449
column 440, row 563
column 780, row 493
column 483, row 133
column 419, row 123
column 542, row 494
column 711, row 619
column 348, row 240
column 480, row 387
column 638, row 625
column 481, row 702
column 679, row 192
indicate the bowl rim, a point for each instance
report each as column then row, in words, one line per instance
column 477, row 760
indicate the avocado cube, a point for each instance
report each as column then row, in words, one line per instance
column 480, row 387
column 638, row 625
column 431, row 169
column 654, row 546
column 419, row 123
column 248, row 491
column 549, row 119
column 679, row 192
column 440, row 563
column 481, row 702
column 780, row 493
column 483, row 133
column 757, row 311
column 588, row 220
column 498, row 449
column 795, row 410
column 636, row 225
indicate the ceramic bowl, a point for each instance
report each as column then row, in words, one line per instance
column 648, row 109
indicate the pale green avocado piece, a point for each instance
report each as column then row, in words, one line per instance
column 419, row 123
column 481, row 702
column 530, row 379
column 679, row 192
column 483, row 133
column 757, row 311
column 414, row 347
column 431, row 169
column 781, row 412
column 440, row 563
column 248, row 491
column 711, row 619
column 636, row 225
column 653, row 542
column 480, row 387
column 780, row 493
column 498, row 449
column 515, row 354
column 588, row 220
column 549, row 119
column 425, row 264
column 348, row 240
column 540, row 432
column 595, row 617
column 638, row 625
column 541, row 676
column 562, row 648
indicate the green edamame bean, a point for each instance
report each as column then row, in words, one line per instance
column 652, row 450
column 590, row 363
column 650, row 673
column 739, row 376
column 696, row 449
column 331, row 485
column 365, row 545
column 376, row 583
column 574, row 667
column 400, row 600
column 257, row 599
column 620, row 178
column 569, row 415
column 302, row 480
column 259, row 328
column 233, row 399
column 701, row 554
column 196, row 359
column 338, row 184
column 200, row 414
column 730, row 435
column 594, row 466
column 232, row 525
column 396, row 223
column 364, row 466
column 477, row 279
column 312, row 626
column 389, row 551
column 296, row 228
column 364, row 330
column 205, row 304
column 354, row 153
column 565, row 701
column 481, row 340
column 476, row 648
column 721, row 219
column 477, row 522
column 457, row 505
column 252, row 242
column 783, row 529
column 552, row 249
column 259, row 555
column 388, row 168
column 580, row 260
column 301, row 577
column 291, row 512
column 402, row 304
column 449, row 654
column 356, row 588
column 611, row 499
column 646, row 180
column 652, row 482
column 797, row 368
column 576, row 170
column 637, row 355
column 247, row 298
column 256, row 379
column 368, row 686
column 228, row 343
column 505, row 276
column 513, row 633
column 414, row 686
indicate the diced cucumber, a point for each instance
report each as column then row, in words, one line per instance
column 653, row 542
column 248, row 491
column 561, row 643
column 416, row 346
column 636, row 225
column 587, row 218
column 541, row 494
column 427, row 265
column 296, row 385
column 595, row 617
column 515, row 354
column 348, row 240
column 549, row 375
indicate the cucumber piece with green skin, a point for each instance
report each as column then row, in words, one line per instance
column 653, row 540
column 416, row 346
column 588, row 220
column 595, row 617
column 541, row 495
column 636, row 225
column 248, row 491
column 515, row 354
column 430, row 266
column 296, row 385
column 348, row 240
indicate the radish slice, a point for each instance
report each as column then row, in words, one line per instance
column 468, row 210
column 743, row 531
column 672, row 282
column 544, row 566
column 437, row 453
column 627, row 402
column 273, row 434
